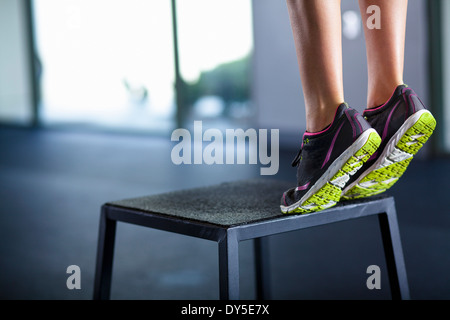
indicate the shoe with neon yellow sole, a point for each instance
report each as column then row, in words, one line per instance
column 327, row 160
column 404, row 125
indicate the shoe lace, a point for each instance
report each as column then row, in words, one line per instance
column 297, row 158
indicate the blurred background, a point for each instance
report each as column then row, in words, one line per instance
column 90, row 92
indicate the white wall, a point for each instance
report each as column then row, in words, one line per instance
column 15, row 81
column 277, row 91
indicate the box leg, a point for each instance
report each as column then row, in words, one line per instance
column 262, row 272
column 105, row 255
column 229, row 267
column 394, row 255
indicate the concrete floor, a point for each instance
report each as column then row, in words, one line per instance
column 52, row 184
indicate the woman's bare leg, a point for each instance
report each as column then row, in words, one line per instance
column 316, row 26
column 385, row 49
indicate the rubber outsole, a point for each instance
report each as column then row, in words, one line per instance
column 328, row 189
column 395, row 159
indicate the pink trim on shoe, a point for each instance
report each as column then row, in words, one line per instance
column 389, row 120
column 327, row 158
column 351, row 122
column 301, row 188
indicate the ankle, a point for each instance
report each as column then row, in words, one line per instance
column 317, row 126
column 321, row 117
column 380, row 94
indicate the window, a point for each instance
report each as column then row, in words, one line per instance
column 106, row 62
column 215, row 44
column 111, row 63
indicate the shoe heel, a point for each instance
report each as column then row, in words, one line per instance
column 388, row 172
column 360, row 157
column 416, row 136
column 327, row 196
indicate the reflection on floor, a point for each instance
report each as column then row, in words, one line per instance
column 53, row 183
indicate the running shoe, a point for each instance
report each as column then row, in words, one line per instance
column 328, row 159
column 404, row 125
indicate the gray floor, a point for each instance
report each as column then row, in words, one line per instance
column 52, row 184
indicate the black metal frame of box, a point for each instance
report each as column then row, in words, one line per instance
column 229, row 236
